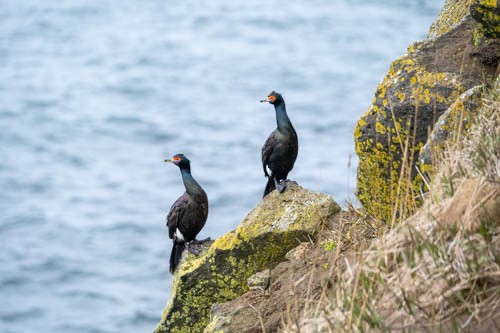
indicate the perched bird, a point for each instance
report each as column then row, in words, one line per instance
column 187, row 215
column 280, row 150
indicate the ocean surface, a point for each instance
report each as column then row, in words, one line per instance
column 94, row 95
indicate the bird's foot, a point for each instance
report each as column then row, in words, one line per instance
column 196, row 252
column 201, row 241
column 281, row 186
column 278, row 185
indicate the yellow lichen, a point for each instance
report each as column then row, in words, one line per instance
column 410, row 49
column 382, row 92
column 380, row 182
column 380, row 128
column 401, row 96
column 259, row 242
column 357, row 132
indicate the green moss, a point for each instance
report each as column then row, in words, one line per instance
column 330, row 245
column 477, row 36
column 407, row 91
column 261, row 241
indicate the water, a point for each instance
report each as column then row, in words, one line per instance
column 96, row 94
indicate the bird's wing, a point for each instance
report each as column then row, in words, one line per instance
column 176, row 213
column 267, row 150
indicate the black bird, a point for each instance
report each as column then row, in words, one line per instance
column 187, row 215
column 280, row 150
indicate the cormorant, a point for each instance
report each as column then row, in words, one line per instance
column 280, row 150
column 187, row 215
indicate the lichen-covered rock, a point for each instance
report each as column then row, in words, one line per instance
column 220, row 321
column 419, row 87
column 450, row 126
column 279, row 223
column 259, row 281
column 487, row 13
column 292, row 284
column 391, row 133
column 452, row 13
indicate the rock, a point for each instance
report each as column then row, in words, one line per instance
column 259, row 281
column 419, row 87
column 279, row 223
column 452, row 13
column 235, row 316
column 220, row 319
column 450, row 126
column 292, row 284
column 298, row 253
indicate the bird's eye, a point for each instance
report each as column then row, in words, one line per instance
column 176, row 159
column 271, row 98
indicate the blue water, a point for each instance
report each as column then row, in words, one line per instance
column 94, row 95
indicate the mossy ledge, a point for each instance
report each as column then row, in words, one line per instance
column 278, row 224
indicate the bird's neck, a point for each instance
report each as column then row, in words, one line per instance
column 282, row 119
column 192, row 187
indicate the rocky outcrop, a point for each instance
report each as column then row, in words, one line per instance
column 420, row 276
column 258, row 310
column 450, row 127
column 419, row 87
column 291, row 283
column 242, row 282
column 260, row 242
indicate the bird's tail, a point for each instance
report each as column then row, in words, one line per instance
column 176, row 255
column 270, row 186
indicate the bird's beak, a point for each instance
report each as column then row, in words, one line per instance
column 168, row 161
column 265, row 100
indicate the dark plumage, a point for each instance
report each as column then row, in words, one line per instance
column 280, row 150
column 187, row 215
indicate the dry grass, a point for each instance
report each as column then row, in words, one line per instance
column 437, row 270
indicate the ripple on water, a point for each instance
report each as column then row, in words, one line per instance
column 29, row 312
column 14, row 281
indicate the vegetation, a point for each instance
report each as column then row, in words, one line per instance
column 437, row 270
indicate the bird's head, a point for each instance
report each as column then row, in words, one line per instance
column 180, row 160
column 273, row 98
